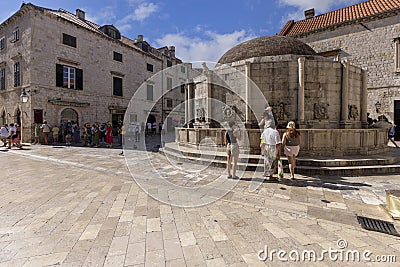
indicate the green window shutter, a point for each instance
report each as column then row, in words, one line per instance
column 79, row 79
column 59, row 75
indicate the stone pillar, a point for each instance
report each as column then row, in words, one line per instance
column 187, row 103
column 190, row 101
column 209, row 104
column 247, row 94
column 300, row 96
column 364, row 98
column 345, row 94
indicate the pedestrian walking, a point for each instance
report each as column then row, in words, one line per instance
column 87, row 134
column 46, row 131
column 36, row 132
column 96, row 135
column 232, row 136
column 109, row 135
column 271, row 149
column 56, row 131
column 4, row 134
column 291, row 140
column 13, row 137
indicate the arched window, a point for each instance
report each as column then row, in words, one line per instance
column 3, row 118
column 69, row 114
column 18, row 117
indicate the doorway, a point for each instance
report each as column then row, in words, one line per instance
column 397, row 119
column 69, row 115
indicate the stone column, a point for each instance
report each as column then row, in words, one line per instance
column 300, row 96
column 345, row 94
column 187, row 102
column 209, row 105
column 364, row 98
column 247, row 93
column 190, row 101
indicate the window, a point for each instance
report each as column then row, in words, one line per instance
column 169, row 63
column 69, row 77
column 169, row 83
column 183, row 69
column 150, row 92
column 182, row 88
column 3, row 78
column 117, row 86
column 2, row 42
column 169, row 103
column 118, row 56
column 15, row 35
column 397, row 54
column 69, row 40
column 149, row 67
column 17, row 74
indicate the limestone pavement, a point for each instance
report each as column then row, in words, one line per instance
column 80, row 207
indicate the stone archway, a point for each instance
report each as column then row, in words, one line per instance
column 69, row 114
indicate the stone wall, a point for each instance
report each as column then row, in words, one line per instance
column 372, row 47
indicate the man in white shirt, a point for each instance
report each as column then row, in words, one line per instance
column 4, row 134
column 272, row 145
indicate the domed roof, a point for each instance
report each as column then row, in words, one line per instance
column 266, row 46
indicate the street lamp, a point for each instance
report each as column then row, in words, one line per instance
column 24, row 96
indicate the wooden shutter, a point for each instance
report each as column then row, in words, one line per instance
column 79, row 79
column 59, row 75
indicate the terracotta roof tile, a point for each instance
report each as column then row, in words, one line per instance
column 347, row 14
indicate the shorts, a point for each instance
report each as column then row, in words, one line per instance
column 232, row 149
column 291, row 150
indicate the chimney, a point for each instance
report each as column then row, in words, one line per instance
column 80, row 14
column 172, row 51
column 310, row 13
column 140, row 38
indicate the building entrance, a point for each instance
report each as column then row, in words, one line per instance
column 397, row 119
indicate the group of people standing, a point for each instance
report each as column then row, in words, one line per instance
column 10, row 135
column 270, row 145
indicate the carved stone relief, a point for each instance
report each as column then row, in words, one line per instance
column 321, row 111
column 353, row 112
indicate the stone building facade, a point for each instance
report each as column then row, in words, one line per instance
column 367, row 35
column 73, row 69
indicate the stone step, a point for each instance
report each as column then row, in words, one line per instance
column 390, row 158
column 368, row 169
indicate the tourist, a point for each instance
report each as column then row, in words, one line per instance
column 102, row 133
column 75, row 134
column 13, row 137
column 96, row 135
column 154, row 125
column 232, row 148
column 137, row 132
column 4, row 134
column 46, row 131
column 68, row 135
column 272, row 145
column 36, row 132
column 55, row 130
column 267, row 116
column 149, row 125
column 291, row 140
column 87, row 134
column 109, row 135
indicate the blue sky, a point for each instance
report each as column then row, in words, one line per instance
column 201, row 30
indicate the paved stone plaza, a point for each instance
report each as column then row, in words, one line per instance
column 80, row 207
